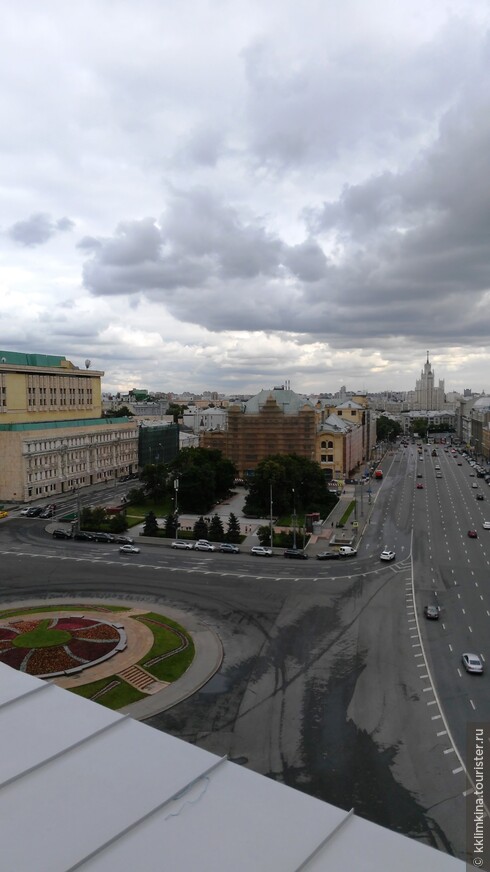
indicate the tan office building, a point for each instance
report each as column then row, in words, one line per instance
column 52, row 437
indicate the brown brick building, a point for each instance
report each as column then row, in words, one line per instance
column 273, row 422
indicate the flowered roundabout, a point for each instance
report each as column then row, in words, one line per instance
column 48, row 647
column 70, row 644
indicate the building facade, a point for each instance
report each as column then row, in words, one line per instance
column 338, row 436
column 52, row 436
column 427, row 396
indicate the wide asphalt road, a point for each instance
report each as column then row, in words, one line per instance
column 324, row 684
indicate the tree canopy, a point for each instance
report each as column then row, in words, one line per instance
column 297, row 483
column 387, row 429
column 205, row 477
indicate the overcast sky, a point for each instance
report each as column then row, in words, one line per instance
column 226, row 194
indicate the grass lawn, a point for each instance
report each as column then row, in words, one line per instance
column 116, row 698
column 166, row 639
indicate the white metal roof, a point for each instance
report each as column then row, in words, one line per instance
column 86, row 788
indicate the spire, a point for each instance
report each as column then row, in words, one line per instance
column 427, row 357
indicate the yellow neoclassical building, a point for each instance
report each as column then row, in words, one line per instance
column 52, row 436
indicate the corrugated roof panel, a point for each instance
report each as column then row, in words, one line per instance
column 231, row 820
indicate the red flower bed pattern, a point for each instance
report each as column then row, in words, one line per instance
column 90, row 642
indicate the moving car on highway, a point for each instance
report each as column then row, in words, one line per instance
column 472, row 663
column 387, row 555
column 431, row 612
column 129, row 549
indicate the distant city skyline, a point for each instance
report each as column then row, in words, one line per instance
column 226, row 196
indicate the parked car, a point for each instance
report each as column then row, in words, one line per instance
column 228, row 548
column 431, row 612
column 82, row 536
column 260, row 551
column 347, row 551
column 295, row 554
column 62, row 534
column 129, row 549
column 183, row 544
column 34, row 512
column 472, row 663
column 472, row 534
column 101, row 536
column 204, row 546
column 328, row 555
column 123, row 540
column 387, row 555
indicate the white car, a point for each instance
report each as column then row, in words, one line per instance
column 474, row 484
column 486, row 525
column 129, row 549
column 472, row 663
column 181, row 543
column 347, row 551
column 260, row 551
column 204, row 546
column 387, row 555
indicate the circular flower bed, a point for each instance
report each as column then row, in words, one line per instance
column 52, row 646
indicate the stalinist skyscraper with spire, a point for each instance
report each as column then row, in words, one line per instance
column 427, row 397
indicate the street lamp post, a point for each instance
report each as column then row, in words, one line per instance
column 270, row 504
column 176, row 509
column 294, row 519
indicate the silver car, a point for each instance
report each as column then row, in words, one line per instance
column 204, row 546
column 472, row 663
column 181, row 543
column 260, row 551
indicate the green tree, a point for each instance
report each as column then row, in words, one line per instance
column 123, row 412
column 170, row 526
column 155, row 476
column 118, row 523
column 297, row 483
column 386, row 429
column 200, row 529
column 216, row 531
column 205, row 478
column 151, row 525
column 233, row 531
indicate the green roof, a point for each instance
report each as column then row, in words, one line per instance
column 18, row 358
column 57, row 425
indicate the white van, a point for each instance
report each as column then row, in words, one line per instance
column 347, row 551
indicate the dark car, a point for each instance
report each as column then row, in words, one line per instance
column 295, row 554
column 228, row 548
column 480, row 497
column 81, row 536
column 47, row 513
column 328, row 555
column 472, row 534
column 34, row 511
column 431, row 612
column 123, row 540
column 100, row 536
column 62, row 534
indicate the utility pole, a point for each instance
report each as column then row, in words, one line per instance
column 176, row 509
column 294, row 520
column 271, row 526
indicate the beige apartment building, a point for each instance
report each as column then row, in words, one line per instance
column 53, row 439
